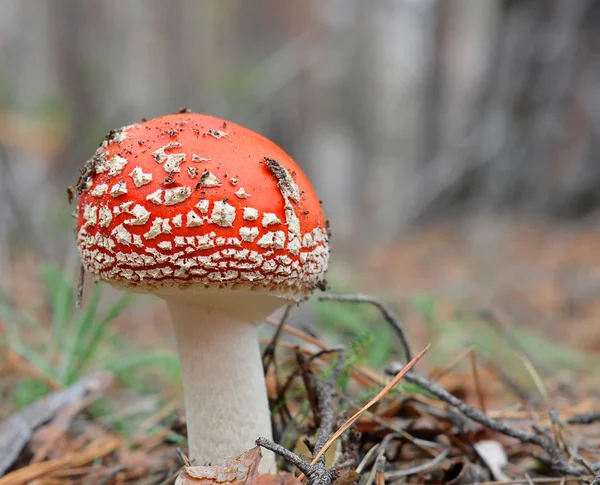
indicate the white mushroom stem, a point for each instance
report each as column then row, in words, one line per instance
column 224, row 387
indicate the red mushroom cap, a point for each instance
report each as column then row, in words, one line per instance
column 192, row 200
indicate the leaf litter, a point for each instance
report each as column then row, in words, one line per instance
column 441, row 427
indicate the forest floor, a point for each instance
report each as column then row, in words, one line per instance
column 506, row 393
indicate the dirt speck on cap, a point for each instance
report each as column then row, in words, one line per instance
column 215, row 133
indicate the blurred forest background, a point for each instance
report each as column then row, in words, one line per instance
column 455, row 143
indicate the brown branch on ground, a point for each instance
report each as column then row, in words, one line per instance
column 556, row 451
column 320, row 395
column 585, row 418
column 269, row 352
column 324, row 392
column 555, row 457
column 268, row 360
column 315, row 471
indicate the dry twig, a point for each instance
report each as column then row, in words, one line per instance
column 315, row 471
column 269, row 352
column 386, row 311
column 586, row 418
column 555, row 458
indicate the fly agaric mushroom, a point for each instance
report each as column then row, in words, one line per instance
column 221, row 224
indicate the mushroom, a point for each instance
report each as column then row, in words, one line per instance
column 222, row 261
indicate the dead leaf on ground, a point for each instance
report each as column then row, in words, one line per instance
column 494, row 456
column 17, row 430
column 92, row 452
column 242, row 469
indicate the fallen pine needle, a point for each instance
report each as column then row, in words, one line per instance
column 535, row 376
column 478, row 388
column 373, row 401
column 437, row 374
column 297, row 333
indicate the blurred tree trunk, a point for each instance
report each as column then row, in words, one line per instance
column 400, row 111
column 535, row 101
column 456, row 60
column 532, row 142
column 70, row 47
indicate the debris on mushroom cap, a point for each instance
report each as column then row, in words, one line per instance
column 136, row 231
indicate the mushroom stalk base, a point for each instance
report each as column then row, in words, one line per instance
column 226, row 400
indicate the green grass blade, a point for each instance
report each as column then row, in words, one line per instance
column 97, row 334
column 163, row 361
column 61, row 294
column 15, row 315
column 83, row 328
